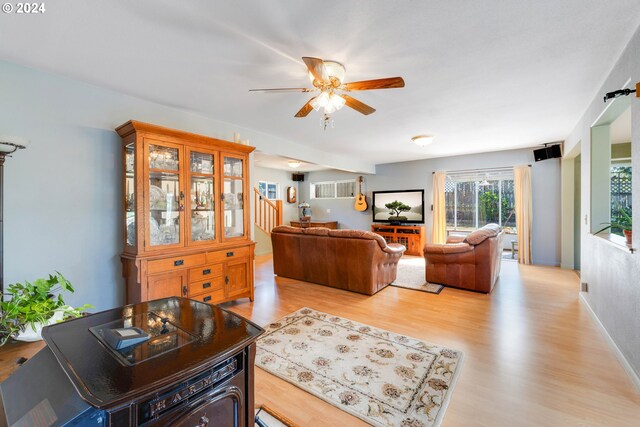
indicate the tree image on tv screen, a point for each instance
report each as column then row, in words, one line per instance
column 397, row 208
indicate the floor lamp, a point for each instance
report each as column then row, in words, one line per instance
column 8, row 145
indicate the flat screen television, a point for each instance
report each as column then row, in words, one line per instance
column 398, row 207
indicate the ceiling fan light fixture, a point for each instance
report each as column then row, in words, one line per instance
column 338, row 101
column 323, row 99
column 334, row 69
column 294, row 164
column 422, row 140
column 330, row 102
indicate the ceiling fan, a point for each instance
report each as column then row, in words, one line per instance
column 327, row 78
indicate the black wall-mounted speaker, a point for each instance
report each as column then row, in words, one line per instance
column 549, row 152
column 298, row 177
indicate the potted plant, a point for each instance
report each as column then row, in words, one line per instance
column 623, row 222
column 34, row 305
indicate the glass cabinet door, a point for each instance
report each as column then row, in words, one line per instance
column 202, row 197
column 130, row 194
column 166, row 199
column 233, row 197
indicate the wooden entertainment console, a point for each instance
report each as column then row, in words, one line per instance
column 413, row 237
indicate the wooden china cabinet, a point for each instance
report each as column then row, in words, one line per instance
column 186, row 215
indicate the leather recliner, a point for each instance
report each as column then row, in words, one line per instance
column 471, row 262
column 353, row 260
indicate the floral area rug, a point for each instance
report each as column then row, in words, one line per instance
column 411, row 276
column 381, row 377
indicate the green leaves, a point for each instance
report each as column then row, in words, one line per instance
column 36, row 302
column 623, row 221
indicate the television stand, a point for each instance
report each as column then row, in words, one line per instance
column 413, row 237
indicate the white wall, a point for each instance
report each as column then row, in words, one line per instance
column 290, row 210
column 418, row 175
column 612, row 271
column 282, row 177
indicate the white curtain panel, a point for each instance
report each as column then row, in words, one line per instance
column 524, row 211
column 439, row 229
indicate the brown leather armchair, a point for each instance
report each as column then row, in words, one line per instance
column 471, row 262
column 354, row 260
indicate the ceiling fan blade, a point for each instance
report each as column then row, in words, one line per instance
column 316, row 67
column 284, row 89
column 306, row 109
column 388, row 83
column 358, row 106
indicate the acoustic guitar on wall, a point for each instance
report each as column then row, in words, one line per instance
column 361, row 201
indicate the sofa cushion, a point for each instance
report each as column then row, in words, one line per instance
column 449, row 248
column 287, row 229
column 456, row 238
column 482, row 234
column 359, row 234
column 316, row 231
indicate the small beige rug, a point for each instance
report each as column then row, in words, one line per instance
column 381, row 377
column 411, row 275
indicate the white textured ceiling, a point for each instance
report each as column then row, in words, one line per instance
column 480, row 75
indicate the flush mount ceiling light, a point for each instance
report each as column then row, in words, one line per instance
column 294, row 164
column 422, row 140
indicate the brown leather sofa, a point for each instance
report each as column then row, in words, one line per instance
column 471, row 262
column 353, row 260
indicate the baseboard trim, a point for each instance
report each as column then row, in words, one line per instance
column 635, row 379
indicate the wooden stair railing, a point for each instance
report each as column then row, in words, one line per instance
column 267, row 213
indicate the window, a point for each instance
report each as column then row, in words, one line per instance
column 620, row 198
column 333, row 189
column 270, row 190
column 611, row 172
column 472, row 200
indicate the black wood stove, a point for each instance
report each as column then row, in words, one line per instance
column 191, row 365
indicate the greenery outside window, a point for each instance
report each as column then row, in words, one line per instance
column 472, row 201
column 620, row 197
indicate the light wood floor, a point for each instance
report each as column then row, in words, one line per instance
column 533, row 355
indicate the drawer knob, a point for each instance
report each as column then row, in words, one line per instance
column 206, row 271
column 207, row 298
column 178, row 262
column 206, row 285
column 184, row 291
column 229, row 254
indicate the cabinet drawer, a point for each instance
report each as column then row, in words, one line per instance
column 206, row 286
column 213, row 297
column 228, row 254
column 205, row 272
column 175, row 263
